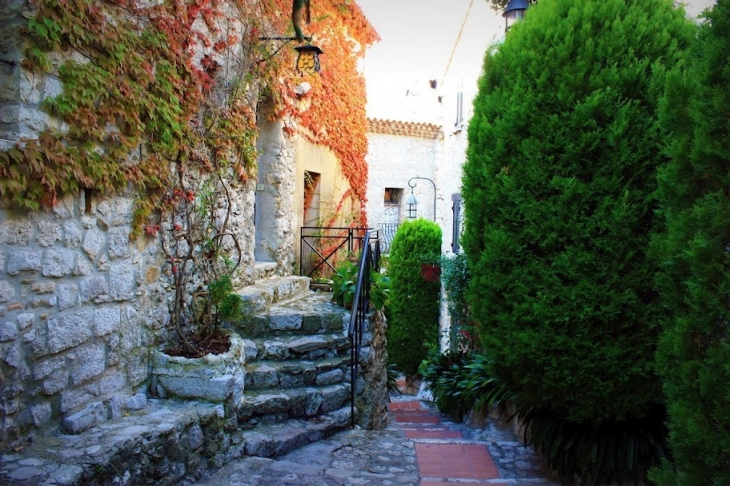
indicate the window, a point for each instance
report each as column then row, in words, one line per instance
column 392, row 196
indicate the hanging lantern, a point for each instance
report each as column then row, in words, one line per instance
column 308, row 60
column 514, row 12
column 412, row 204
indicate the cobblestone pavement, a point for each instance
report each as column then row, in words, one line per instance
column 421, row 447
column 350, row 457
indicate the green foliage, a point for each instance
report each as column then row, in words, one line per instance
column 694, row 356
column 598, row 454
column 227, row 306
column 455, row 278
column 414, row 301
column 559, row 194
column 345, row 283
column 461, row 381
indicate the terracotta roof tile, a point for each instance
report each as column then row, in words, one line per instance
column 405, row 129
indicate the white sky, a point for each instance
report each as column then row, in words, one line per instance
column 417, row 40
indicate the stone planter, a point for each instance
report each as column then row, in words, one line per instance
column 212, row 378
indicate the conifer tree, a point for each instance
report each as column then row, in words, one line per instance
column 414, row 301
column 694, row 351
column 559, row 181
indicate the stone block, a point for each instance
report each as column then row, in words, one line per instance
column 49, row 232
column 107, row 320
column 94, row 289
column 55, row 382
column 52, row 87
column 69, row 331
column 58, row 262
column 118, row 243
column 72, row 234
column 33, row 118
column 114, row 407
column 89, row 417
column 44, row 368
column 8, row 331
column 330, row 377
column 23, row 261
column 195, row 437
column 25, row 320
column 94, row 242
column 43, row 287
column 286, row 322
column 2, row 260
column 136, row 370
column 9, row 78
column 73, row 399
column 87, row 362
column 83, row 266
column 7, row 291
column 113, row 381
column 67, row 295
column 16, row 232
column 122, row 281
column 41, row 413
column 135, row 402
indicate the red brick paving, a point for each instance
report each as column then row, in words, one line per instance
column 443, row 462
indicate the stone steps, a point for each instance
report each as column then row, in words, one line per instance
column 263, row 407
column 279, row 439
column 296, row 346
column 296, row 373
column 304, row 313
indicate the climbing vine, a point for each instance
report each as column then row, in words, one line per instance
column 151, row 91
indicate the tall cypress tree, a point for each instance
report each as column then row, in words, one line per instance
column 694, row 351
column 561, row 169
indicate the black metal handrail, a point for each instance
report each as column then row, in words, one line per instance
column 369, row 260
column 342, row 238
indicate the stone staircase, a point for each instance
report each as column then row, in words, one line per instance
column 296, row 392
column 297, row 356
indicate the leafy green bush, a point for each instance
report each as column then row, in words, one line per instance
column 414, row 312
column 559, row 188
column 344, row 285
column 694, row 356
column 461, row 381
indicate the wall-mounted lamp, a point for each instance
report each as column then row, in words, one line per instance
column 514, row 12
column 308, row 58
column 412, row 205
column 411, row 184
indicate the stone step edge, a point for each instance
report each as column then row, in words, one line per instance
column 279, row 439
column 265, row 293
column 65, row 459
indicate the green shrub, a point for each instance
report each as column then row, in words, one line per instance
column 694, row 355
column 414, row 302
column 455, row 278
column 563, row 150
column 461, row 381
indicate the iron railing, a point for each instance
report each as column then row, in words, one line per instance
column 369, row 260
column 387, row 233
column 321, row 249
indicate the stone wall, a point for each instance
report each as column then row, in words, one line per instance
column 80, row 305
column 371, row 390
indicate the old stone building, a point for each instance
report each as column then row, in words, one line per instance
column 85, row 296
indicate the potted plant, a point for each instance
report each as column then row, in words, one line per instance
column 431, row 267
column 345, row 284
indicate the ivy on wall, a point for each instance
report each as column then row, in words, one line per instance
column 174, row 85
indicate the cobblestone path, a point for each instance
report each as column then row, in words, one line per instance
column 421, row 447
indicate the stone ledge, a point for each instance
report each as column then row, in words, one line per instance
column 118, row 451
